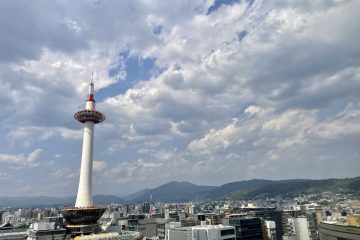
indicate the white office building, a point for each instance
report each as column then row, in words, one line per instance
column 298, row 229
column 46, row 231
column 204, row 232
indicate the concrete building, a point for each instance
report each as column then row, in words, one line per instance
column 246, row 228
column 46, row 231
column 336, row 231
column 147, row 227
column 270, row 228
column 213, row 219
column 302, row 228
column 299, row 228
column 320, row 214
column 137, row 222
column 13, row 234
column 270, row 214
column 353, row 220
column 161, row 227
column 206, row 232
column 1, row 216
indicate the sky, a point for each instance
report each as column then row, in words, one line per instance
column 205, row 91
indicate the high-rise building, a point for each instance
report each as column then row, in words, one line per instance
column 82, row 219
column 146, row 207
column 246, row 228
column 300, row 228
column 270, row 214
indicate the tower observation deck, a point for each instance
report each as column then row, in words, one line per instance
column 82, row 219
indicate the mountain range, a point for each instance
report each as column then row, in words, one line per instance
column 185, row 191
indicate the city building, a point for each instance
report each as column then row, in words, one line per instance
column 46, row 231
column 270, row 214
column 206, row 232
column 336, row 231
column 6, row 226
column 100, row 236
column 353, row 220
column 1, row 216
column 137, row 222
column 300, row 228
column 246, row 228
column 270, row 228
column 20, row 234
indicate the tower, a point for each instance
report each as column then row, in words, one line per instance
column 82, row 219
column 89, row 117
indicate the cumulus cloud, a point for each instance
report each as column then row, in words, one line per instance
column 20, row 160
column 271, row 142
column 241, row 90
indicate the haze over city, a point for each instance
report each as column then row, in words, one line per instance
column 207, row 92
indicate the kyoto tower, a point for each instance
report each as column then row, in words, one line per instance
column 89, row 117
column 82, row 219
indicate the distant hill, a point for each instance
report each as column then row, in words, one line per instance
column 185, row 191
column 174, row 191
column 135, row 194
column 229, row 188
column 44, row 201
column 36, row 201
column 107, row 199
column 291, row 188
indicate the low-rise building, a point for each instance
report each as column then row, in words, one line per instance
column 335, row 231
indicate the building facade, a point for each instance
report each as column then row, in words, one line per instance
column 335, row 231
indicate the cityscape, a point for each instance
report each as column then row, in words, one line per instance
column 181, row 120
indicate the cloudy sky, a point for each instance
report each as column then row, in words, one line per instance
column 206, row 91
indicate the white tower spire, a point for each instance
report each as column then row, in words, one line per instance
column 89, row 117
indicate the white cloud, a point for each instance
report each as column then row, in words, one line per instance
column 99, row 166
column 5, row 176
column 344, row 126
column 66, row 174
column 31, row 160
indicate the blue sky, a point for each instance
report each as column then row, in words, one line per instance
column 203, row 91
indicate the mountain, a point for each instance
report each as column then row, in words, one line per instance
column 44, row 201
column 106, row 199
column 36, row 201
column 185, row 191
column 250, row 189
column 136, row 194
column 174, row 191
column 291, row 188
column 229, row 188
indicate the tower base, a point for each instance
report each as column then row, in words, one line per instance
column 78, row 230
column 83, row 221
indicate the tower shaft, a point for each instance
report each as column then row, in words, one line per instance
column 84, row 195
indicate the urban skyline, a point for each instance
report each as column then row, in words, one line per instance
column 208, row 92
